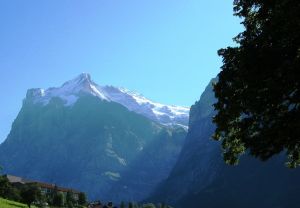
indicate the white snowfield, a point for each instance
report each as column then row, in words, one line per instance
column 70, row 91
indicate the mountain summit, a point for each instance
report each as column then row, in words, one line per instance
column 71, row 90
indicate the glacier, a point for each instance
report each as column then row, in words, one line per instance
column 71, row 90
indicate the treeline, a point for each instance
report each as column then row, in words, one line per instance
column 31, row 194
column 98, row 204
column 147, row 205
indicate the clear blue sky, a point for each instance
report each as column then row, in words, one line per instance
column 164, row 49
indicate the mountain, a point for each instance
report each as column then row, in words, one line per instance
column 201, row 179
column 70, row 91
column 93, row 139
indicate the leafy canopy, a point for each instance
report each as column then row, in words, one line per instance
column 82, row 198
column 258, row 89
column 30, row 193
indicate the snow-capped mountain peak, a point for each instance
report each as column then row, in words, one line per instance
column 71, row 90
column 82, row 83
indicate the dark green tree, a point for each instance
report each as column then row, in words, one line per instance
column 148, row 205
column 162, row 205
column 82, row 199
column 70, row 200
column 4, row 186
column 50, row 196
column 122, row 205
column 130, row 205
column 13, row 193
column 30, row 193
column 58, row 199
column 258, row 92
column 8, row 191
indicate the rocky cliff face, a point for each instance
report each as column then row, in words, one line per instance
column 89, row 142
column 201, row 179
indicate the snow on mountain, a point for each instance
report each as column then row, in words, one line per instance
column 70, row 91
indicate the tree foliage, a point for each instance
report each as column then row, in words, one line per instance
column 258, row 88
column 58, row 199
column 82, row 199
column 122, row 205
column 30, row 193
column 70, row 199
column 149, row 205
column 7, row 191
column 4, row 186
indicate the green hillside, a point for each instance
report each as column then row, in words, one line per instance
column 4, row 203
